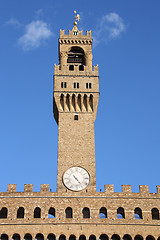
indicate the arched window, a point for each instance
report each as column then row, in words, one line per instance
column 74, row 102
column 69, row 212
column 72, row 237
column 120, row 213
column 20, row 212
column 92, row 237
column 3, row 212
column 39, row 236
column 51, row 236
column 115, row 237
column 68, row 102
column 4, row 237
column 85, row 101
column 103, row 237
column 82, row 237
column 37, row 212
column 155, row 214
column 91, row 101
column 138, row 237
column 127, row 237
column 149, row 237
column 28, row 236
column 51, row 213
column 138, row 213
column 62, row 101
column 76, row 56
column 103, row 213
column 62, row 237
column 16, row 236
column 86, row 212
column 79, row 102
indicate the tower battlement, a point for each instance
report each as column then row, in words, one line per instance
column 109, row 191
column 70, row 34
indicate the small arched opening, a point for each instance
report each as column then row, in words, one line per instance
column 82, row 237
column 69, row 212
column 3, row 212
column 120, row 213
column 86, row 212
column 4, row 237
column 37, row 212
column 103, row 237
column 138, row 237
column 28, row 236
column 115, row 237
column 155, row 214
column 51, row 213
column 72, row 237
column 149, row 237
column 92, row 237
column 16, row 236
column 51, row 236
column 138, row 213
column 127, row 237
column 103, row 213
column 20, row 212
column 62, row 237
column 39, row 236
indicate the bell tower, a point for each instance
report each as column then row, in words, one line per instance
column 75, row 102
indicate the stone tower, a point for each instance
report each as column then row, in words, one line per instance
column 76, row 94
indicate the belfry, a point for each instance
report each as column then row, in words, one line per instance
column 76, row 211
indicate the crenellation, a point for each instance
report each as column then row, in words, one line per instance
column 11, row 188
column 44, row 187
column 126, row 189
column 71, row 35
column 143, row 188
column 158, row 188
column 28, row 187
column 59, row 70
column 109, row 188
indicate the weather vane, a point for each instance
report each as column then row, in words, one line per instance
column 77, row 17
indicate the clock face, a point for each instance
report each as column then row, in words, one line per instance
column 76, row 178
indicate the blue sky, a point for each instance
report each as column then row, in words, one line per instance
column 127, row 129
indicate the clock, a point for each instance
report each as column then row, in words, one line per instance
column 76, row 178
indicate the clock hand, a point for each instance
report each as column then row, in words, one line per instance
column 76, row 179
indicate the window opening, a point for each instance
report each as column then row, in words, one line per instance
column 39, row 236
column 69, row 213
column 120, row 213
column 20, row 212
column 3, row 212
column 86, row 212
column 155, row 214
column 63, row 84
column 115, row 237
column 138, row 213
column 4, row 237
column 51, row 213
column 51, row 237
column 76, row 84
column 127, row 237
column 103, row 237
column 37, row 213
column 75, row 117
column 71, row 68
column 16, row 237
column 88, row 85
column 27, row 237
column 103, row 213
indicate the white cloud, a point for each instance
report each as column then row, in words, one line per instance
column 36, row 33
column 14, row 22
column 110, row 27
